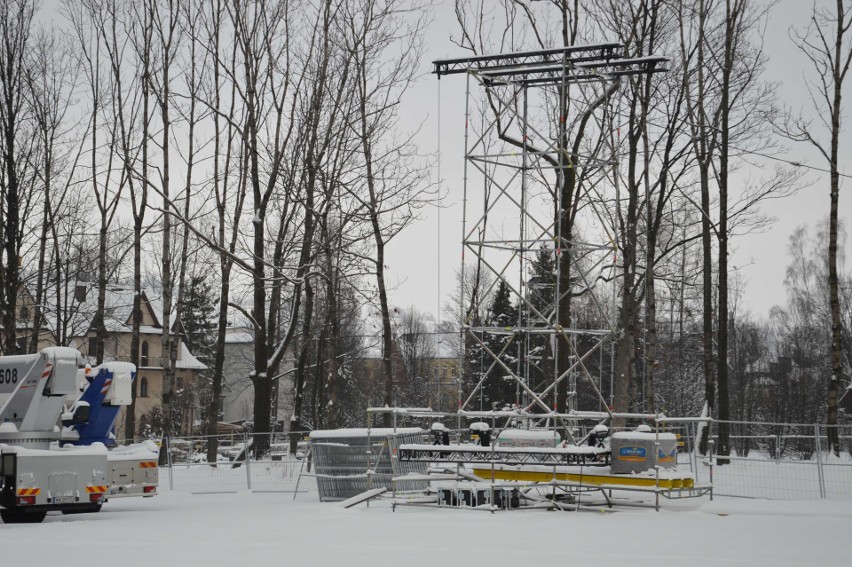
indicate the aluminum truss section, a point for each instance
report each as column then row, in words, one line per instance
column 475, row 454
column 510, row 164
column 553, row 66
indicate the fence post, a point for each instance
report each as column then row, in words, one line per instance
column 247, row 453
column 711, row 445
column 169, row 462
column 656, row 468
column 820, row 470
column 693, row 466
column 370, row 461
column 778, row 448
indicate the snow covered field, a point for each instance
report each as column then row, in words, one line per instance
column 248, row 529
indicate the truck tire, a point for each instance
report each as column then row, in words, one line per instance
column 18, row 516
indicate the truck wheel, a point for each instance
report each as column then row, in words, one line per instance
column 18, row 516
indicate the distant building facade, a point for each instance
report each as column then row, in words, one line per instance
column 440, row 364
column 237, row 387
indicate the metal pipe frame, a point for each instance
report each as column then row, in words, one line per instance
column 507, row 80
column 573, row 64
column 531, row 320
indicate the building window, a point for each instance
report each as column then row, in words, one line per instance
column 143, row 359
column 95, row 346
column 143, row 387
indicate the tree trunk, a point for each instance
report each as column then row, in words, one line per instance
column 218, row 363
column 15, row 27
column 387, row 337
column 625, row 358
column 334, row 330
column 100, row 313
column 836, row 382
column 225, row 263
column 727, row 70
column 296, row 425
column 707, row 314
column 319, row 381
column 139, row 209
column 167, row 354
column 42, row 250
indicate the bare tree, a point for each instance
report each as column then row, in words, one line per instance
column 167, row 38
column 415, row 340
column 51, row 78
column 142, row 42
column 726, row 105
column 92, row 22
column 267, row 74
column 384, row 38
column 229, row 197
column 694, row 26
column 827, row 44
column 16, row 18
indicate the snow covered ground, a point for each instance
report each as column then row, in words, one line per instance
column 248, row 529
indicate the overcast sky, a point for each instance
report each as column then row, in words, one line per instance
column 422, row 261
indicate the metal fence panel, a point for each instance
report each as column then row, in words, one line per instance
column 768, row 460
column 236, row 468
column 779, row 461
column 278, row 470
column 348, row 466
column 837, row 469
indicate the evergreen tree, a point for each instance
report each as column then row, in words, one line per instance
column 540, row 295
column 197, row 316
column 199, row 324
column 499, row 388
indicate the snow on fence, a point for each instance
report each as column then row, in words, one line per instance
column 768, row 460
column 778, row 461
column 237, row 468
column 352, row 461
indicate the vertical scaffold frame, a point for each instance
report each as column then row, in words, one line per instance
column 507, row 81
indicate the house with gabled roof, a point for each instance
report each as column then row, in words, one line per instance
column 118, row 321
column 25, row 315
column 76, row 318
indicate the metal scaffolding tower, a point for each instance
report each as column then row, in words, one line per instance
column 536, row 183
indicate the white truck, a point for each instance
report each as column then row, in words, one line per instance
column 36, row 475
column 132, row 469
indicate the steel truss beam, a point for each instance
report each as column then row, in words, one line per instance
column 504, row 153
column 548, row 66
column 476, row 454
column 523, row 415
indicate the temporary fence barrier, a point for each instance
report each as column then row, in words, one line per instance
column 779, row 461
column 350, row 462
column 237, row 467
